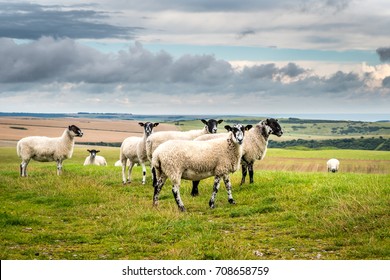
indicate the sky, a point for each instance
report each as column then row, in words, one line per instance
column 254, row 57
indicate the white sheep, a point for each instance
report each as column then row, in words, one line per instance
column 254, row 147
column 133, row 150
column 45, row 149
column 94, row 159
column 190, row 160
column 211, row 126
column 333, row 165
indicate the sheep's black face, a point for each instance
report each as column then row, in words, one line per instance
column 275, row 127
column 148, row 127
column 238, row 131
column 212, row 125
column 93, row 153
column 77, row 131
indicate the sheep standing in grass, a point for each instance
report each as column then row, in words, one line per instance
column 94, row 159
column 211, row 126
column 133, row 150
column 333, row 165
column 45, row 149
column 192, row 160
column 254, row 147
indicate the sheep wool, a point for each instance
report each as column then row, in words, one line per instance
column 46, row 149
column 94, row 159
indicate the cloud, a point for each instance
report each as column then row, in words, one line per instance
column 384, row 54
column 32, row 21
column 59, row 71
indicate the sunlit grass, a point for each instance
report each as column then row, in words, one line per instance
column 88, row 214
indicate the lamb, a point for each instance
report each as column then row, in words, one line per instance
column 133, row 150
column 46, row 149
column 94, row 159
column 254, row 147
column 333, row 165
column 190, row 160
column 211, row 126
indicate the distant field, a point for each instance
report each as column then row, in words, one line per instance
column 88, row 214
column 95, row 130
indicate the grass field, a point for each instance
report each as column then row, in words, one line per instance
column 88, row 214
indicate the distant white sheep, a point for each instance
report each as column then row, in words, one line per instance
column 333, row 165
column 46, row 149
column 133, row 150
column 94, row 159
column 211, row 126
column 192, row 160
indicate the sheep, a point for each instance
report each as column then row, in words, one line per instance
column 254, row 147
column 333, row 165
column 211, row 126
column 190, row 160
column 94, row 159
column 46, row 149
column 133, row 150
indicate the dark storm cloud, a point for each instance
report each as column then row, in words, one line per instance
column 384, row 54
column 32, row 21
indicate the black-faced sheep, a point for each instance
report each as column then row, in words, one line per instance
column 191, row 160
column 133, row 150
column 211, row 126
column 45, row 149
column 94, row 159
column 254, row 147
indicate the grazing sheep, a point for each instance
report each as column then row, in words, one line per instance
column 211, row 126
column 333, row 165
column 93, row 159
column 45, row 149
column 254, row 147
column 190, row 160
column 133, row 150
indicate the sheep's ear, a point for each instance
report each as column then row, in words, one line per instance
column 219, row 121
column 204, row 121
column 228, row 127
column 141, row 124
column 89, row 151
column 249, row 126
column 97, row 151
column 156, row 124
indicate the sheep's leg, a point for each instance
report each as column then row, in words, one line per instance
column 143, row 173
column 23, row 168
column 59, row 167
column 154, row 178
column 157, row 189
column 195, row 190
column 131, row 165
column 244, row 172
column 124, row 162
column 250, row 169
column 217, row 181
column 176, row 195
column 228, row 186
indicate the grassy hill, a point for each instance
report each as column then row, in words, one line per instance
column 88, row 214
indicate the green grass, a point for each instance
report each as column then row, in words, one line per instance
column 88, row 214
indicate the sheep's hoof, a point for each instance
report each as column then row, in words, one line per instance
column 232, row 201
column 182, row 208
column 211, row 204
column 143, row 182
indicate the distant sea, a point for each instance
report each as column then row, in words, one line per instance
column 344, row 117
